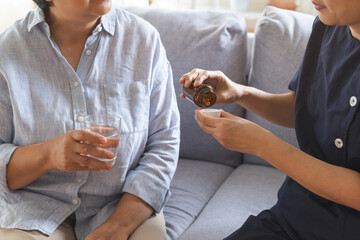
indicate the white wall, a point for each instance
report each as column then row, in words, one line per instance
column 131, row 2
column 255, row 5
column 306, row 6
column 11, row 10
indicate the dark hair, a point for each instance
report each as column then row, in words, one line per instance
column 44, row 5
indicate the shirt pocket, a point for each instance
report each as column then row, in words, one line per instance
column 131, row 102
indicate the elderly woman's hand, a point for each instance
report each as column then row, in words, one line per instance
column 70, row 151
column 234, row 133
column 226, row 90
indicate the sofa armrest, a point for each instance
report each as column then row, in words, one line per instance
column 249, row 55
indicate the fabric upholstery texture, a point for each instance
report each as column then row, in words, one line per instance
column 248, row 190
column 194, row 183
column 280, row 40
column 211, row 40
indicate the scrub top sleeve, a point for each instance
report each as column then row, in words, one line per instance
column 293, row 85
column 294, row 81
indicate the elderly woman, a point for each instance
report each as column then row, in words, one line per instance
column 63, row 61
column 320, row 199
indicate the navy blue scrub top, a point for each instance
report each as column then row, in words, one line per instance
column 327, row 124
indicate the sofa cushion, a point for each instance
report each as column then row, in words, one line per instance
column 247, row 191
column 194, row 183
column 281, row 37
column 211, row 40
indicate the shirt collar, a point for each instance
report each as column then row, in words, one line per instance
column 37, row 16
column 107, row 21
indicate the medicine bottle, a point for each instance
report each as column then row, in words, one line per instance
column 202, row 96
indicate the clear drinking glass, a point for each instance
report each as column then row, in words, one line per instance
column 107, row 126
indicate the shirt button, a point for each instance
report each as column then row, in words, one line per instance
column 99, row 29
column 79, row 180
column 353, row 101
column 339, row 143
column 88, row 52
column 75, row 201
column 76, row 84
column 80, row 119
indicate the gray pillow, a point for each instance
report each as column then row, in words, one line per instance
column 211, row 40
column 281, row 37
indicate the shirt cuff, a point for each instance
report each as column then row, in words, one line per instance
column 153, row 193
column 6, row 151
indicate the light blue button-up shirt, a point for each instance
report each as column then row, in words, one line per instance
column 123, row 71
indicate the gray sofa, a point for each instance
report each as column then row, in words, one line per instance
column 214, row 190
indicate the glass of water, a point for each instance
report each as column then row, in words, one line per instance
column 107, row 126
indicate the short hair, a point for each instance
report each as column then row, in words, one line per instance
column 44, row 5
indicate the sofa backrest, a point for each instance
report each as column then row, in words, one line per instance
column 280, row 40
column 211, row 40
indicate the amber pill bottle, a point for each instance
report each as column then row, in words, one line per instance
column 202, row 96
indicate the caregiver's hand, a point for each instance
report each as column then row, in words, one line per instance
column 226, row 90
column 235, row 133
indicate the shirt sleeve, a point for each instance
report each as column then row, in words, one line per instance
column 6, row 133
column 293, row 85
column 150, row 180
column 294, row 81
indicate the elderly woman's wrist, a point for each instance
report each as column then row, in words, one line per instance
column 45, row 161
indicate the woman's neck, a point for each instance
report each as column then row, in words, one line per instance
column 64, row 30
column 70, row 36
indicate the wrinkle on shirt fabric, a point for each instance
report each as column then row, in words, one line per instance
column 123, row 71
